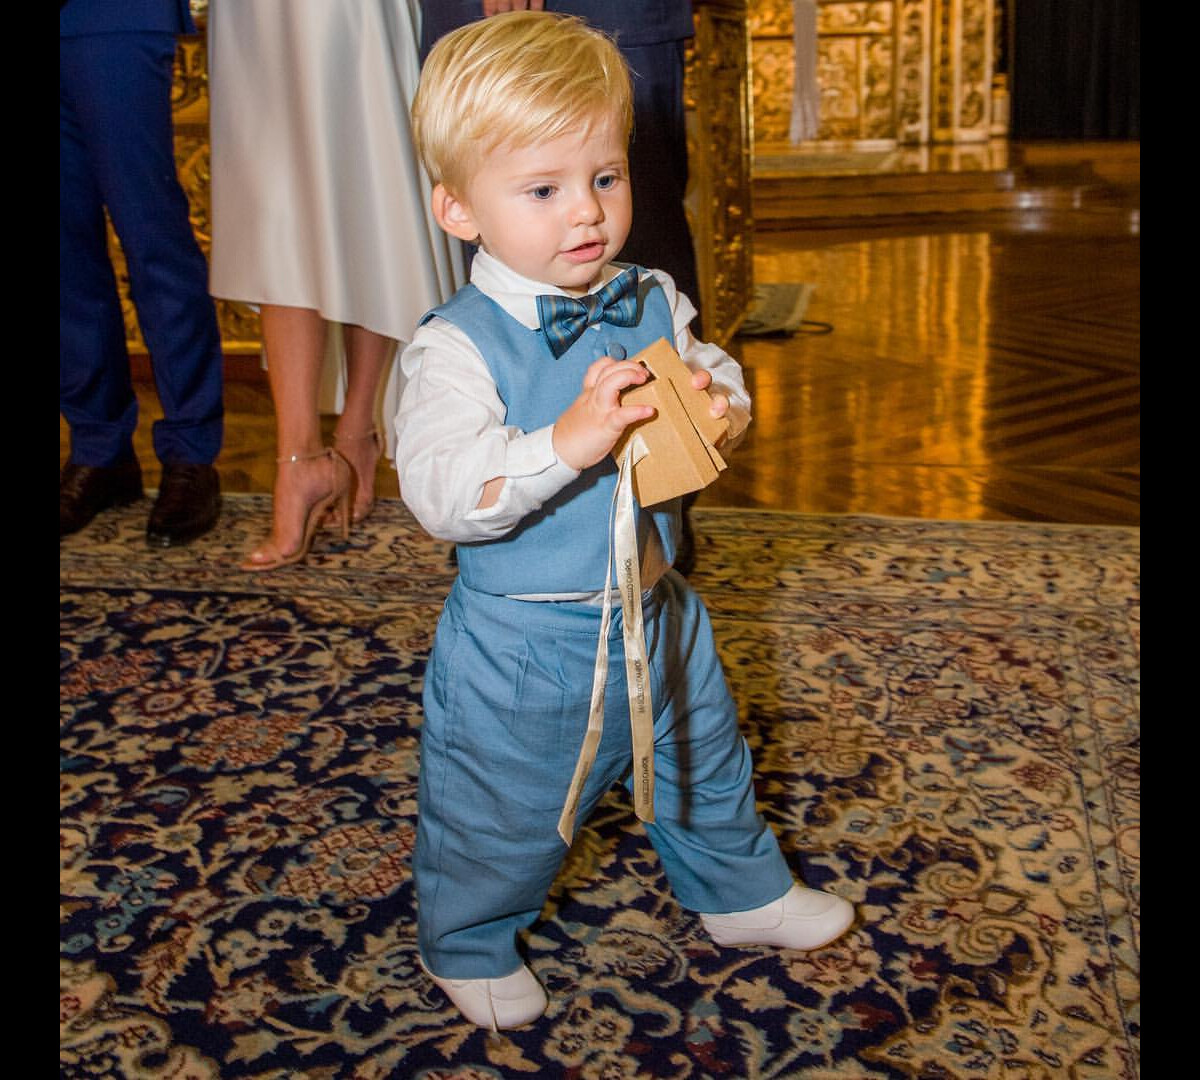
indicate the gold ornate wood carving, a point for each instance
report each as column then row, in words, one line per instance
column 719, row 153
column 890, row 72
column 912, row 72
column 189, row 95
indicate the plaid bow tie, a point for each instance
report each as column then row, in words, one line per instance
column 564, row 318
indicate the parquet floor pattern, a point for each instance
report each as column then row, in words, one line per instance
column 990, row 372
column 980, row 366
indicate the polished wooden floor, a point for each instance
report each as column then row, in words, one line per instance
column 982, row 365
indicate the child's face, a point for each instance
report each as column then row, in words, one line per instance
column 556, row 211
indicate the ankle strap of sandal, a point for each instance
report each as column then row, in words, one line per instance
column 372, row 434
column 291, row 459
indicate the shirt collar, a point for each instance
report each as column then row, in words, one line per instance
column 517, row 294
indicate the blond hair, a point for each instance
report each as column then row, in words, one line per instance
column 513, row 80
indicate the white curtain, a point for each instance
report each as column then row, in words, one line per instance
column 806, row 97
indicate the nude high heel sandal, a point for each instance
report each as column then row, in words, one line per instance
column 361, row 513
column 339, row 496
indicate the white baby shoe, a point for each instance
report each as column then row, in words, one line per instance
column 800, row 919
column 498, row 1004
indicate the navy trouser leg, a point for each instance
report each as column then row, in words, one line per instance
column 95, row 394
column 658, row 167
column 117, row 89
column 506, row 705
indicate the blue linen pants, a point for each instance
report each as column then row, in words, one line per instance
column 506, row 706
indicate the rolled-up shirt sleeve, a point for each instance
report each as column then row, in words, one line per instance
column 451, row 440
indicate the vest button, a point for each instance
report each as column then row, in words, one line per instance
column 616, row 350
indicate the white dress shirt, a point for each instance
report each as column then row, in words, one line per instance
column 451, row 434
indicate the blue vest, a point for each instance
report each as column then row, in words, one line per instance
column 563, row 546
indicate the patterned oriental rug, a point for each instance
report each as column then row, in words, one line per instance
column 945, row 723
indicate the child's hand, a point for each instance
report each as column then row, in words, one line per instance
column 589, row 429
column 719, row 403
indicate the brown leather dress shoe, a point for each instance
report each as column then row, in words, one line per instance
column 85, row 490
column 189, row 500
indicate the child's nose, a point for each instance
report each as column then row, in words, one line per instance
column 587, row 209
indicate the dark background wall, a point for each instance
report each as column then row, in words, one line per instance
column 1076, row 69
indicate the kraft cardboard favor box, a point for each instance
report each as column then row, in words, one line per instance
column 682, row 435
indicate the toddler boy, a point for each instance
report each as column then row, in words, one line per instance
column 505, row 430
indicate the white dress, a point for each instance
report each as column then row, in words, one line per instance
column 318, row 197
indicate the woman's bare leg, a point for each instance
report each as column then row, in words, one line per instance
column 356, row 438
column 295, row 344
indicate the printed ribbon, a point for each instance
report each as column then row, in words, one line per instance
column 637, row 669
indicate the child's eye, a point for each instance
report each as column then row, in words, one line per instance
column 542, row 191
column 605, row 182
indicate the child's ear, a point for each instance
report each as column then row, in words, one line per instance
column 453, row 215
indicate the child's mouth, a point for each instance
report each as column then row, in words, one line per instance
column 585, row 252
